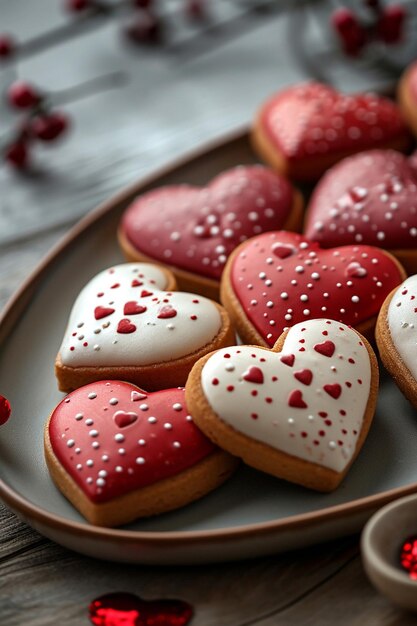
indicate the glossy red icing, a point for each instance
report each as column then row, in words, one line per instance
column 112, row 438
column 127, row 609
column 195, row 229
column 311, row 119
column 368, row 198
column 311, row 283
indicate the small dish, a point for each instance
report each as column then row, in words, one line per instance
column 380, row 545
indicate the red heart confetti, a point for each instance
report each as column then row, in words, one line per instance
column 128, row 609
column 125, row 327
column 196, row 229
column 133, row 308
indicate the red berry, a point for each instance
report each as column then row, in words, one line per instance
column 351, row 33
column 142, row 4
column 146, row 29
column 16, row 154
column 7, row 46
column 22, row 95
column 390, row 25
column 5, row 410
column 76, row 6
column 195, row 9
column 49, row 127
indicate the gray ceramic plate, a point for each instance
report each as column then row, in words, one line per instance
column 252, row 514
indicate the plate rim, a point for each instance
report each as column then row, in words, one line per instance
column 10, row 315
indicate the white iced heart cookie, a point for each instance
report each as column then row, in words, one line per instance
column 396, row 334
column 127, row 322
column 300, row 411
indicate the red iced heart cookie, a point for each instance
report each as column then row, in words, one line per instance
column 369, row 198
column 265, row 292
column 118, row 453
column 307, row 419
column 407, row 96
column 306, row 128
column 193, row 229
column 126, row 325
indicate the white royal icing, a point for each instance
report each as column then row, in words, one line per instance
column 402, row 322
column 327, row 429
column 92, row 342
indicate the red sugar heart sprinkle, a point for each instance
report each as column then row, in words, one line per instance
column 295, row 399
column 254, row 375
column 304, row 376
column 123, row 419
column 144, row 293
column 326, row 348
column 282, row 250
column 288, row 359
column 333, row 390
column 133, row 308
column 166, row 312
column 102, row 311
column 128, row 609
column 136, row 283
column 125, row 327
column 5, row 410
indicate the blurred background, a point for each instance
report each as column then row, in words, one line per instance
column 137, row 82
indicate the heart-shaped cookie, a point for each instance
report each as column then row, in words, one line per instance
column 300, row 411
column 407, row 96
column 396, row 335
column 118, row 453
column 194, row 229
column 303, row 130
column 369, row 198
column 124, row 326
column 278, row 279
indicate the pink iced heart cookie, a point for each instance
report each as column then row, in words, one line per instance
column 194, row 229
column 407, row 96
column 369, row 198
column 303, row 130
column 396, row 335
column 278, row 279
column 127, row 324
column 118, row 453
column 300, row 411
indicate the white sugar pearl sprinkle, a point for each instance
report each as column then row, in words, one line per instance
column 70, row 443
column 168, row 426
column 113, row 401
column 92, row 396
column 140, row 460
column 177, row 406
column 93, row 433
column 79, row 416
column 119, row 437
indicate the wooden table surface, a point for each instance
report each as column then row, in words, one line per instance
column 147, row 107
